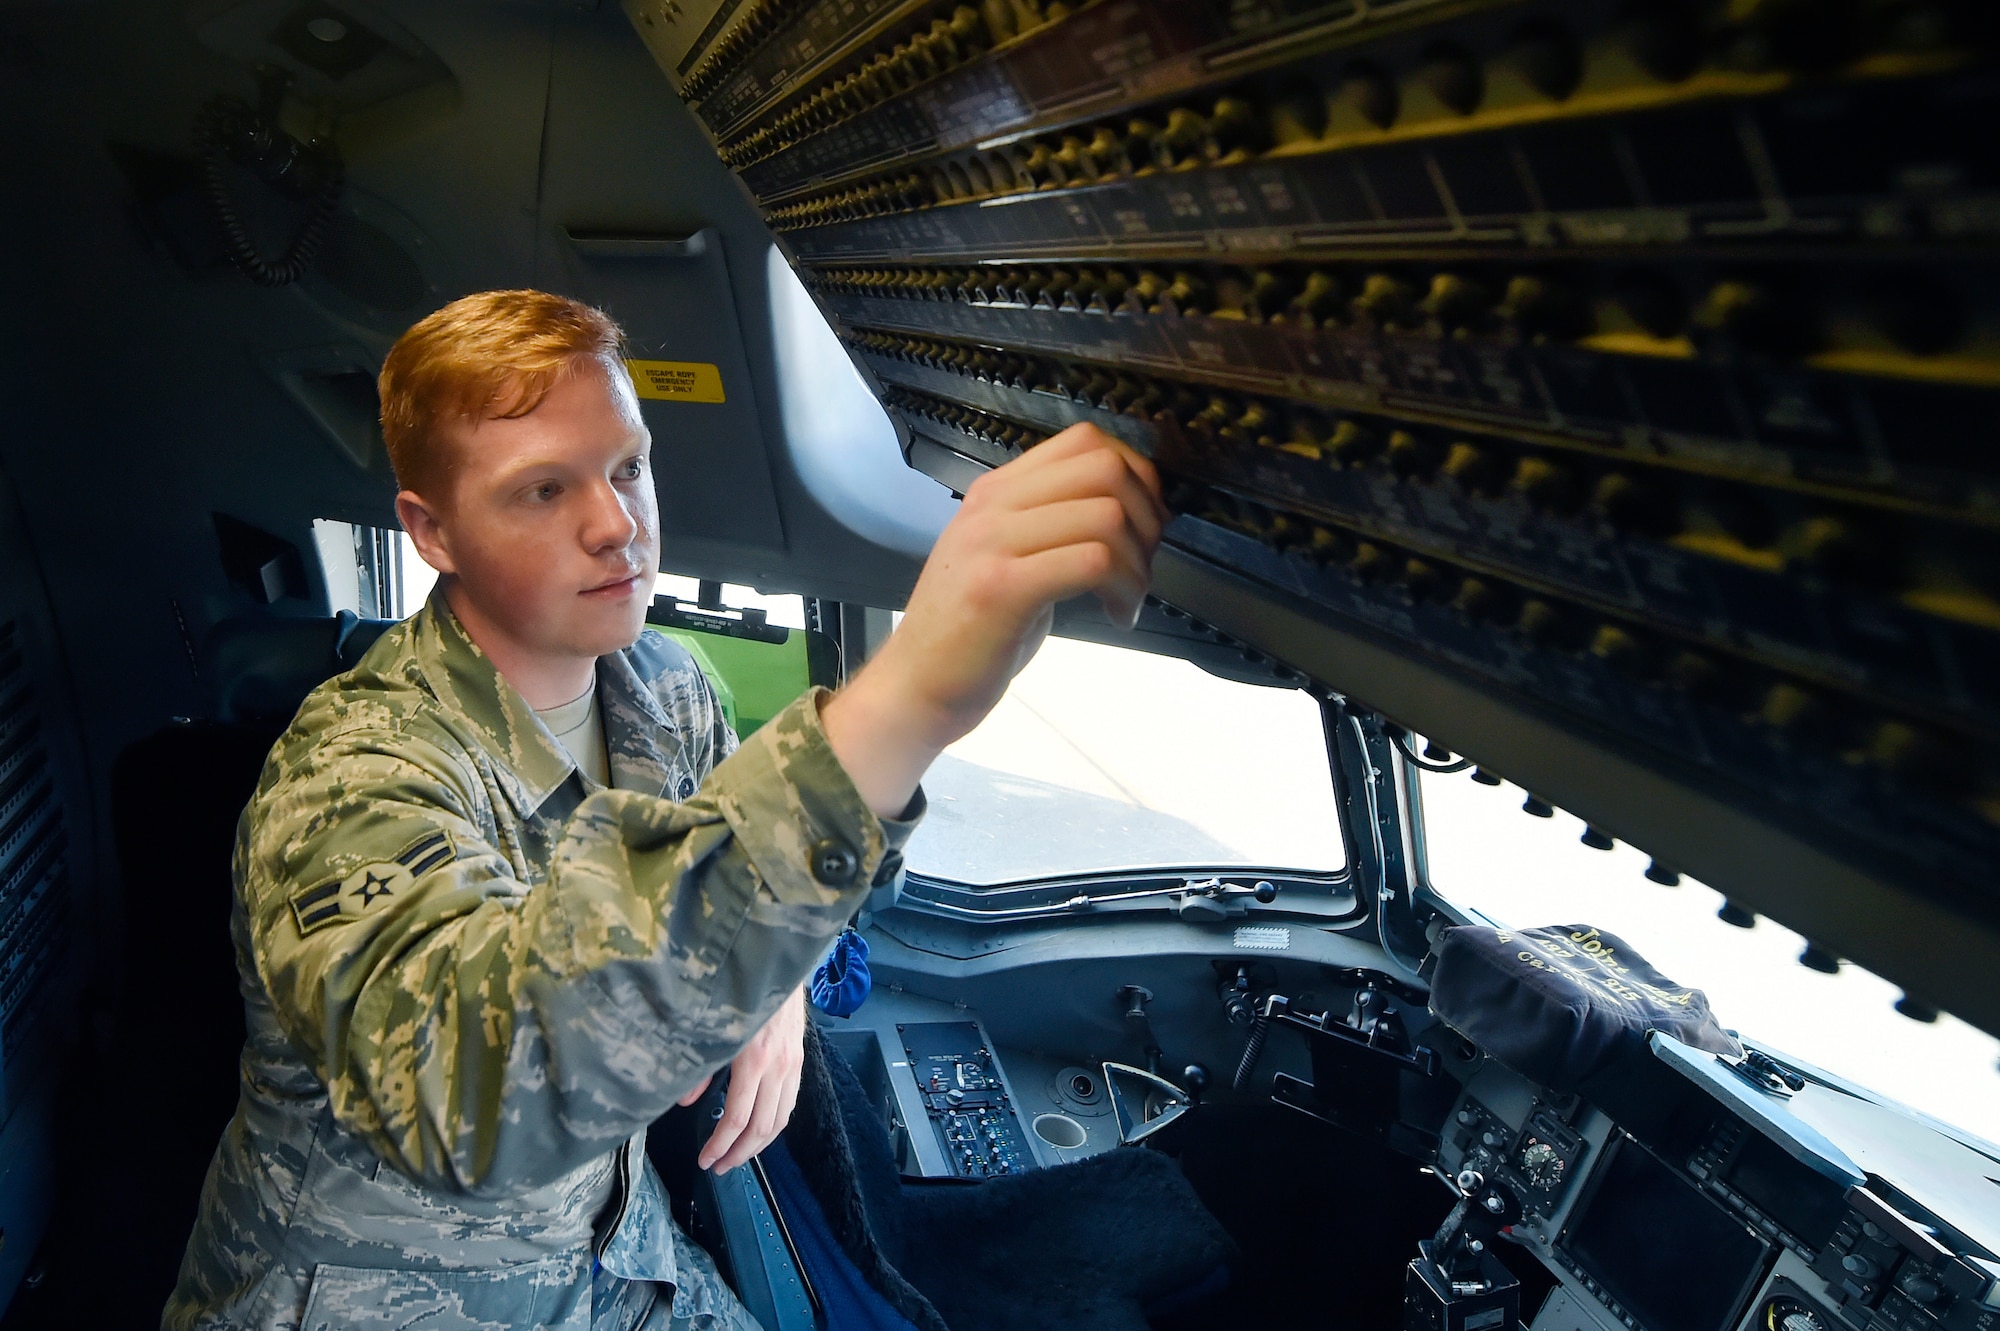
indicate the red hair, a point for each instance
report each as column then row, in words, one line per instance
column 488, row 355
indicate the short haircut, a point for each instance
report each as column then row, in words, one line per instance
column 494, row 354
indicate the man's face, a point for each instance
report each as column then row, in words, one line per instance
column 551, row 526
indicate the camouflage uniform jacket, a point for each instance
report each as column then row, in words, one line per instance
column 472, row 978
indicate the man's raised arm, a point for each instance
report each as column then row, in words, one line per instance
column 487, row 1037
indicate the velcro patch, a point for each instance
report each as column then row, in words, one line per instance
column 370, row 887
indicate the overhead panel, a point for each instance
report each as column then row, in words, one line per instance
column 1621, row 376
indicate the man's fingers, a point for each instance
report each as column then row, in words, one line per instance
column 1082, row 488
column 1118, row 564
column 1143, row 509
column 790, row 1100
column 763, row 1085
column 1070, row 522
column 1082, row 439
column 736, row 1114
column 1086, row 463
column 763, row 1125
column 1099, row 471
column 1118, row 579
column 1064, row 512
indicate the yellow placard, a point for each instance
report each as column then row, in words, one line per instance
column 676, row 380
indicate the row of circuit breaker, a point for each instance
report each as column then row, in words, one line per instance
column 1636, row 360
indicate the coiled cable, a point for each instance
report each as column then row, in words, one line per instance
column 1253, row 1049
column 228, row 128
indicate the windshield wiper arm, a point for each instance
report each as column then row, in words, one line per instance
column 1213, row 894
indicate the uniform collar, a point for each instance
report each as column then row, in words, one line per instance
column 530, row 762
column 634, row 723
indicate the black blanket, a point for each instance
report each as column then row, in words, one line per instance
column 1559, row 1003
column 1085, row 1244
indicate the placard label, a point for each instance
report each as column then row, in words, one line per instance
column 676, row 380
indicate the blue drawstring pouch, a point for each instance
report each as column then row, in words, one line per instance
column 840, row 985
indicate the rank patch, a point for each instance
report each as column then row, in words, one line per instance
column 314, row 907
column 370, row 887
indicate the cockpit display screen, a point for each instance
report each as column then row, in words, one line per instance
column 1670, row 1257
column 1807, row 1206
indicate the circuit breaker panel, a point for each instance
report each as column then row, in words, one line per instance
column 1638, row 362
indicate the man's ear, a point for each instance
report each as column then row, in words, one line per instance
column 420, row 519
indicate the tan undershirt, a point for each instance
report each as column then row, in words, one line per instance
column 579, row 727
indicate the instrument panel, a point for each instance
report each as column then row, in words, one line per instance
column 966, row 1102
column 1674, row 1190
column 1696, row 1218
column 1654, row 1251
column 1538, row 1161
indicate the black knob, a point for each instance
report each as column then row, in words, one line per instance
column 1857, row 1265
column 1453, row 73
column 1916, row 1009
column 954, row 1096
column 1195, row 1077
column 1371, row 92
column 1919, row 1287
column 1740, row 916
column 1266, row 892
column 1547, row 56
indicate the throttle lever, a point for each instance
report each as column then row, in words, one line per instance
column 1456, row 1281
column 1483, row 1210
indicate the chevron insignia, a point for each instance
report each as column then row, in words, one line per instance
column 371, row 887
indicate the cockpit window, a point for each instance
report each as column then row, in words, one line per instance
column 1484, row 853
column 373, row 571
column 1102, row 759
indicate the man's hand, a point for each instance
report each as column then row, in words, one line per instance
column 763, row 1088
column 1079, row 513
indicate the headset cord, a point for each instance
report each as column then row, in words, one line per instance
column 226, row 127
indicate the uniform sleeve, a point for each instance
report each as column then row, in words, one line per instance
column 490, row 1038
